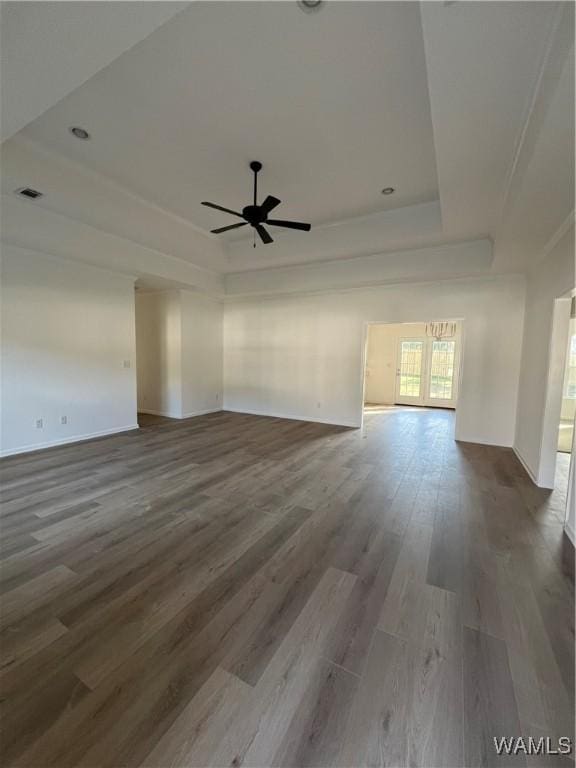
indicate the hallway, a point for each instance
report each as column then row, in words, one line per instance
column 240, row 590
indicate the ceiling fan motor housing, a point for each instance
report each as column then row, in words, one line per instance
column 254, row 214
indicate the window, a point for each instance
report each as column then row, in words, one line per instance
column 442, row 370
column 410, row 368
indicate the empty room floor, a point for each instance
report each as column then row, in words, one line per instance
column 240, row 590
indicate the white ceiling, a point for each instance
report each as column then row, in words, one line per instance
column 458, row 106
column 483, row 63
column 75, row 191
column 334, row 104
column 49, row 48
column 540, row 200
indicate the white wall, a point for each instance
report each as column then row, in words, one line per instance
column 159, row 352
column 67, row 330
column 302, row 356
column 201, row 354
column 536, row 436
column 179, row 353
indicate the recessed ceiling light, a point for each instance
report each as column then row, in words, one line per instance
column 80, row 133
column 388, row 191
column 310, row 5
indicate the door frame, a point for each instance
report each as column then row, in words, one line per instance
column 364, row 355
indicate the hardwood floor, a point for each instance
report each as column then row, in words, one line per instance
column 237, row 590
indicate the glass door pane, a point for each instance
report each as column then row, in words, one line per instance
column 411, row 354
column 442, row 370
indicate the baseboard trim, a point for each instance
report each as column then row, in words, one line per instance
column 525, row 465
column 507, row 446
column 66, row 441
column 191, row 414
column 169, row 415
column 166, row 414
column 294, row 418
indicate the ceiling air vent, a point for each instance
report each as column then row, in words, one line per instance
column 31, row 194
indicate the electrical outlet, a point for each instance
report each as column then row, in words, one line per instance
column 39, row 423
column 126, row 363
column 63, row 419
column 318, row 405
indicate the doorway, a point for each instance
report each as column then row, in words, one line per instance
column 556, row 466
column 568, row 407
column 412, row 364
column 559, row 391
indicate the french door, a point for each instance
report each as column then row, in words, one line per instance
column 426, row 372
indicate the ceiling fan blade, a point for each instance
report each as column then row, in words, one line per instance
column 290, row 224
column 264, row 236
column 230, row 226
column 270, row 203
column 220, row 208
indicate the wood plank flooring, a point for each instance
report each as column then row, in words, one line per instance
column 234, row 590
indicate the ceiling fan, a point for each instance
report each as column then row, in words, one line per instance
column 257, row 215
